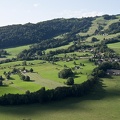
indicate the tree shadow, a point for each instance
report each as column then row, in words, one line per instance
column 11, row 78
column 32, row 81
column 75, row 76
column 98, row 92
column 4, row 85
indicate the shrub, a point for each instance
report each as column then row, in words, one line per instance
column 70, row 81
column 65, row 73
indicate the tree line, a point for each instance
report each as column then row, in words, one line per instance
column 112, row 40
column 3, row 52
column 37, row 51
column 43, row 96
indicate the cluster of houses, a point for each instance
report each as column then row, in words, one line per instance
column 100, row 61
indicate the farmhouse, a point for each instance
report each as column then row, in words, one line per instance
column 113, row 72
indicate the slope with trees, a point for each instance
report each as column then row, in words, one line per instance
column 16, row 35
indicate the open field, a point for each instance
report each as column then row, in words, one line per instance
column 94, row 26
column 71, row 54
column 45, row 74
column 103, row 104
column 99, row 22
column 15, row 85
column 14, row 51
column 115, row 47
column 2, row 58
column 50, row 71
column 102, row 37
column 86, row 70
column 57, row 48
column 110, row 22
column 44, row 82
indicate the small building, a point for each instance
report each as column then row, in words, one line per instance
column 113, row 72
column 76, row 67
column 24, row 71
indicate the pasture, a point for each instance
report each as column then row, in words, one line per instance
column 45, row 75
column 100, row 22
column 16, row 85
column 75, row 54
column 102, row 104
column 57, row 48
column 15, row 51
column 94, row 26
column 102, row 37
column 115, row 47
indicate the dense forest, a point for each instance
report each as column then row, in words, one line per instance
column 16, row 35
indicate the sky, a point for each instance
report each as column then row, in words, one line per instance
column 33, row 11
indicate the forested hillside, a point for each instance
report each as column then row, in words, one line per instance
column 17, row 35
column 59, row 32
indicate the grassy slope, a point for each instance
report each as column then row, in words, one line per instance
column 14, row 51
column 44, row 82
column 101, row 37
column 50, row 71
column 103, row 104
column 115, row 46
column 93, row 27
column 18, row 86
column 86, row 70
column 46, row 72
column 110, row 22
column 72, row 54
column 57, row 48
column 100, row 22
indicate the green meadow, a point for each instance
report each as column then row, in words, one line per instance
column 16, row 85
column 75, row 54
column 45, row 75
column 13, row 52
column 102, row 37
column 61, row 47
column 100, row 21
column 115, row 47
column 104, row 24
column 94, row 26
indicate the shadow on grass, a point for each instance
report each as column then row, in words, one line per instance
column 11, row 78
column 31, row 81
column 75, row 103
column 98, row 92
column 4, row 85
column 75, row 75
